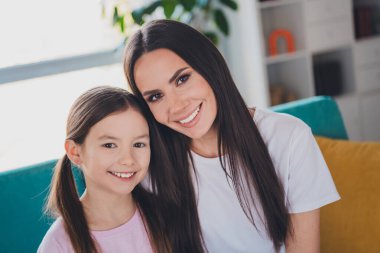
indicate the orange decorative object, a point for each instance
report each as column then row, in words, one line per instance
column 277, row 34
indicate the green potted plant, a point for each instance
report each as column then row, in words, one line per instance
column 207, row 16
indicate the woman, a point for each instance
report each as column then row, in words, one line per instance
column 257, row 177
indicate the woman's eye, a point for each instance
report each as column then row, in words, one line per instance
column 139, row 145
column 109, row 145
column 182, row 79
column 154, row 97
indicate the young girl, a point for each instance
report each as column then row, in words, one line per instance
column 259, row 178
column 110, row 140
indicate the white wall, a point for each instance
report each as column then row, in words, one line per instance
column 244, row 51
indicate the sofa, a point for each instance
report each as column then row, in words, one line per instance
column 351, row 224
column 23, row 191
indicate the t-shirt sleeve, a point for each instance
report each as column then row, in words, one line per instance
column 55, row 240
column 310, row 185
column 50, row 245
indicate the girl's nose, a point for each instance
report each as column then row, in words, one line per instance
column 127, row 158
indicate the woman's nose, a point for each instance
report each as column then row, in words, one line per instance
column 177, row 103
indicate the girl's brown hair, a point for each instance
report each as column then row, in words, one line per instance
column 91, row 107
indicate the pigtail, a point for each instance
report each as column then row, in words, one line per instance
column 64, row 201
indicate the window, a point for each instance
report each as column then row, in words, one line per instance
column 51, row 51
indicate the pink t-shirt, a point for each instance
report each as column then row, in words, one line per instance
column 129, row 237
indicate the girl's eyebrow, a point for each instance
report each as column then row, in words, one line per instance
column 108, row 137
column 142, row 136
column 176, row 74
column 105, row 136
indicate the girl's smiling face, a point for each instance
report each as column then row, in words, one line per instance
column 115, row 154
column 178, row 96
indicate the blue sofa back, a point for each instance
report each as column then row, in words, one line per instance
column 23, row 191
column 23, row 194
column 321, row 113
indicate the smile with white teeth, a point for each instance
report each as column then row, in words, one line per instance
column 191, row 117
column 122, row 174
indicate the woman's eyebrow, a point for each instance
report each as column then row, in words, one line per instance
column 176, row 74
column 150, row 92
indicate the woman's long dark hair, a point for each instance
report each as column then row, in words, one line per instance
column 238, row 136
column 156, row 207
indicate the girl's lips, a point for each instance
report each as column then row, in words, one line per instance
column 122, row 175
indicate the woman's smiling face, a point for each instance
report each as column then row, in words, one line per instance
column 178, row 96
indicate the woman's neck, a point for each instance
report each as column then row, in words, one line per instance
column 107, row 212
column 207, row 146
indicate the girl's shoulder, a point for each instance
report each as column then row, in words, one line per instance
column 55, row 239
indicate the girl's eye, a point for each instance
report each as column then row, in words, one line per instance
column 182, row 79
column 139, row 145
column 154, row 97
column 109, row 145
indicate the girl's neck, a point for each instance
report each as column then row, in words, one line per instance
column 107, row 212
column 207, row 146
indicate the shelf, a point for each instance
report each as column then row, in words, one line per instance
column 366, row 18
column 336, row 52
column 277, row 3
column 334, row 72
column 286, row 17
column 285, row 57
column 293, row 76
column 368, row 39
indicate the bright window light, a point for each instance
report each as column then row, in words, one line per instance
column 33, row 111
column 37, row 30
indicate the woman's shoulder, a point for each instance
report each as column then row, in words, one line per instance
column 279, row 130
column 55, row 239
column 277, row 123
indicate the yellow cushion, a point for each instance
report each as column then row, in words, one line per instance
column 352, row 224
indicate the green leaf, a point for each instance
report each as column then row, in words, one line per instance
column 221, row 21
column 188, row 5
column 115, row 16
column 122, row 24
column 169, row 7
column 212, row 36
column 230, row 3
column 152, row 7
column 138, row 14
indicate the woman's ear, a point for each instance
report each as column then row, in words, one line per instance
column 73, row 152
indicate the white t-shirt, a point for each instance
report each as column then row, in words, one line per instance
column 300, row 166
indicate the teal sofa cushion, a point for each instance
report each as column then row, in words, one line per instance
column 321, row 113
column 22, row 196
